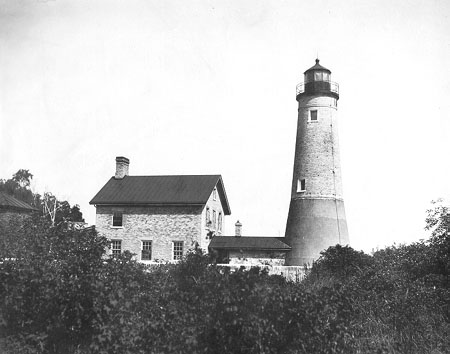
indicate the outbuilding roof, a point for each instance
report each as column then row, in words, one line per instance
column 249, row 243
column 9, row 202
column 162, row 190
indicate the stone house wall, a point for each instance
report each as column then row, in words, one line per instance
column 162, row 225
column 213, row 204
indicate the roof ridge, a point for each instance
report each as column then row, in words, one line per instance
column 197, row 175
column 162, row 189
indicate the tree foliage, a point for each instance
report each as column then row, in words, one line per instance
column 56, row 211
column 400, row 294
column 23, row 178
column 61, row 293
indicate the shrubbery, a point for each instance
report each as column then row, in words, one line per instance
column 399, row 296
column 60, row 293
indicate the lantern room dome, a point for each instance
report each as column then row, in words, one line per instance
column 317, row 67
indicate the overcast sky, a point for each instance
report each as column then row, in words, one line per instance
column 206, row 87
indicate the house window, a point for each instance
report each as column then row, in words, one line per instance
column 301, row 185
column 219, row 222
column 117, row 220
column 208, row 215
column 116, row 247
column 146, row 250
column 215, row 194
column 313, row 116
column 177, row 250
column 214, row 219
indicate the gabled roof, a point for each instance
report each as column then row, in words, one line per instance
column 9, row 202
column 249, row 243
column 162, row 190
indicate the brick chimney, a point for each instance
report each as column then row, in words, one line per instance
column 238, row 229
column 122, row 165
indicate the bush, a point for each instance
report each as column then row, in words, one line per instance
column 46, row 285
column 60, row 293
column 338, row 264
column 195, row 307
column 399, row 296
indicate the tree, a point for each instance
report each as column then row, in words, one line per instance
column 49, row 206
column 438, row 222
column 23, row 178
column 19, row 186
column 438, row 219
column 59, row 211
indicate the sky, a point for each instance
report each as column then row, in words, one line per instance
column 208, row 87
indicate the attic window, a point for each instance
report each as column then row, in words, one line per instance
column 117, row 219
column 301, row 185
column 208, row 215
column 215, row 194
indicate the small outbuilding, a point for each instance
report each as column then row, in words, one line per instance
column 13, row 210
column 249, row 250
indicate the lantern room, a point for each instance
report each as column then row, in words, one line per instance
column 318, row 82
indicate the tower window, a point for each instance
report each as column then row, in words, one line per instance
column 301, row 185
column 313, row 115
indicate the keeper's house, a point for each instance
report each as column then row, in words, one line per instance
column 159, row 218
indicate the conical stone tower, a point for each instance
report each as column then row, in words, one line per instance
column 316, row 218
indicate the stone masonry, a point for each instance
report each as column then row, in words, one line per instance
column 162, row 225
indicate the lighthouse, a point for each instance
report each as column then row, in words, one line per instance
column 316, row 218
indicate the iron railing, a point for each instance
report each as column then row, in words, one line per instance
column 317, row 86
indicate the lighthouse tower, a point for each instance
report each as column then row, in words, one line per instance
column 316, row 218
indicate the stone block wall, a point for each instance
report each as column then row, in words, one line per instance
column 162, row 225
column 317, row 149
column 214, row 204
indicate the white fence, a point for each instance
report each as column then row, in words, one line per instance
column 291, row 273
